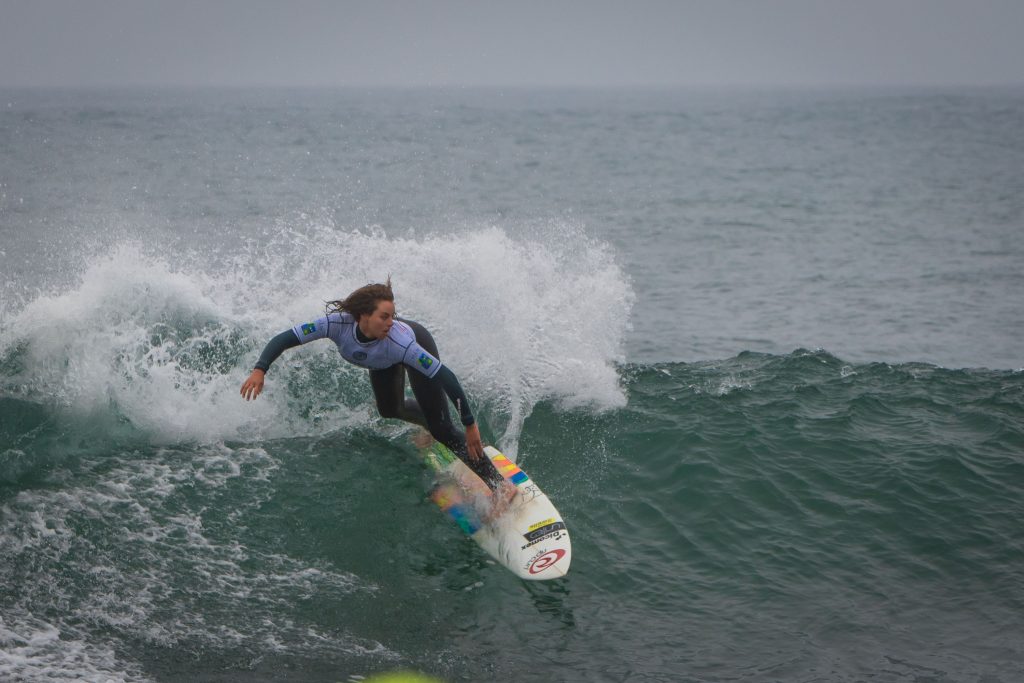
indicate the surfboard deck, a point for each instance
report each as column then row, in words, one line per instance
column 529, row 537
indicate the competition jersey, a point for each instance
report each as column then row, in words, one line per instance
column 398, row 347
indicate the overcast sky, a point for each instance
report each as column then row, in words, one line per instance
column 512, row 42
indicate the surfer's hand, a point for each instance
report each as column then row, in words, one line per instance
column 473, row 443
column 253, row 386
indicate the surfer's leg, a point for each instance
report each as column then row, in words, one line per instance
column 389, row 390
column 433, row 403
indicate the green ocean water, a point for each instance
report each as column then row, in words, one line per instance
column 759, row 518
column 761, row 350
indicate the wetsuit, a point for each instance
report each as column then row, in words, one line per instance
column 408, row 344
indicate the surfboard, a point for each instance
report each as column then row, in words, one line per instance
column 529, row 537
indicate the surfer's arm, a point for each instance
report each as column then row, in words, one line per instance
column 275, row 347
column 453, row 389
column 455, row 393
column 253, row 386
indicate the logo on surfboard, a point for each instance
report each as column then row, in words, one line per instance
column 544, row 561
column 537, row 533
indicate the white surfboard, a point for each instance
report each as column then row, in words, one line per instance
column 529, row 537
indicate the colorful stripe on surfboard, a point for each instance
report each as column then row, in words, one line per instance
column 449, row 499
column 509, row 470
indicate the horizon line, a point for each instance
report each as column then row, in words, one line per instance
column 515, row 86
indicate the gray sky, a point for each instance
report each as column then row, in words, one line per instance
column 513, row 42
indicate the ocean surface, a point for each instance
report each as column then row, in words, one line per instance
column 763, row 349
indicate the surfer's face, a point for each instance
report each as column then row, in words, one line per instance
column 378, row 324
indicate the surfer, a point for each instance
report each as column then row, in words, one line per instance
column 367, row 333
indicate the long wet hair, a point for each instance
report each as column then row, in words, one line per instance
column 364, row 300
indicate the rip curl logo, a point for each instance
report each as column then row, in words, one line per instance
column 308, row 329
column 542, row 562
column 426, row 361
column 359, row 355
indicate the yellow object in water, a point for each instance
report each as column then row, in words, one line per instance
column 402, row 677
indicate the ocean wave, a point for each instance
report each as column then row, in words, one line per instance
column 164, row 346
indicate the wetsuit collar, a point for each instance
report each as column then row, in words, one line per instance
column 360, row 337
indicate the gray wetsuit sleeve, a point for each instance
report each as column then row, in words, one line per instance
column 454, row 390
column 275, row 347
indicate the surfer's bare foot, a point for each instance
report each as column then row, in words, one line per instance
column 423, row 439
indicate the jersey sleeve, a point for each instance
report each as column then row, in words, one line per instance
column 419, row 358
column 311, row 331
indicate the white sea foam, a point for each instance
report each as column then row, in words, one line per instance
column 155, row 508
column 34, row 650
column 542, row 316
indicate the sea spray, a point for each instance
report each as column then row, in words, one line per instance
column 166, row 339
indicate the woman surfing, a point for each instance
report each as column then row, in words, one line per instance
column 364, row 328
